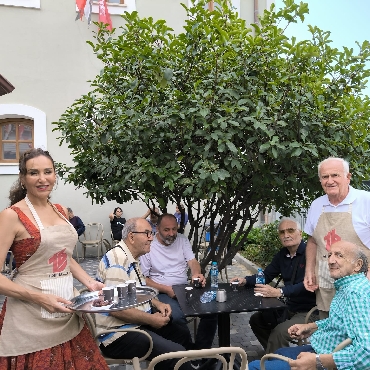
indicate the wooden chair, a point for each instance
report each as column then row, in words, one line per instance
column 340, row 346
column 135, row 361
column 185, row 356
column 92, row 237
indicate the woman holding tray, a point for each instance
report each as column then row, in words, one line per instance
column 37, row 330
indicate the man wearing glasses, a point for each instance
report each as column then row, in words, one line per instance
column 167, row 264
column 289, row 262
column 119, row 265
column 341, row 214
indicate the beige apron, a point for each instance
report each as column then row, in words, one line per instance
column 27, row 327
column 331, row 227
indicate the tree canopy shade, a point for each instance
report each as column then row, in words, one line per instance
column 226, row 119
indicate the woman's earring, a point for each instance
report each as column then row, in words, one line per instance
column 22, row 186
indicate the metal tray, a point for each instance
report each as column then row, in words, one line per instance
column 83, row 302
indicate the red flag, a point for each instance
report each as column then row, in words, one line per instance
column 104, row 16
column 81, row 5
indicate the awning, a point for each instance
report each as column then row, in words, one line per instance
column 5, row 86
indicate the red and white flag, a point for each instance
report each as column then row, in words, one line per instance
column 104, row 16
column 81, row 6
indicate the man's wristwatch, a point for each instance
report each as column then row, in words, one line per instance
column 282, row 293
column 319, row 364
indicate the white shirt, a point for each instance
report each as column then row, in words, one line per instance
column 360, row 200
column 168, row 265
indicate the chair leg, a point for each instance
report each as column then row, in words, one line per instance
column 76, row 249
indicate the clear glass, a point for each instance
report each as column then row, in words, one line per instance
column 9, row 151
column 8, row 131
column 24, row 132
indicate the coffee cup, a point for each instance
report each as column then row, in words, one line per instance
column 131, row 286
column 196, row 282
column 122, row 290
column 108, row 293
column 234, row 285
column 221, row 295
column 188, row 293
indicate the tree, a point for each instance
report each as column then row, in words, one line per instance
column 226, row 120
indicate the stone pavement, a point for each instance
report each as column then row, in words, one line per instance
column 240, row 332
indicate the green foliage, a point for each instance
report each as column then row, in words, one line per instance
column 262, row 244
column 225, row 120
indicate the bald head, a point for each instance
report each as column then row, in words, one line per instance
column 346, row 258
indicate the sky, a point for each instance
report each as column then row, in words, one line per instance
column 347, row 20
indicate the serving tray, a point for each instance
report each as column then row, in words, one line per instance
column 84, row 302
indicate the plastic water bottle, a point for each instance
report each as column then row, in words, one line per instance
column 260, row 277
column 214, row 275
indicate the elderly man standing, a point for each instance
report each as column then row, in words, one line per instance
column 343, row 213
column 289, row 262
column 167, row 264
column 348, row 318
column 118, row 265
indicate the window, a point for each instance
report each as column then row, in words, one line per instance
column 22, row 3
column 114, row 6
column 21, row 127
column 16, row 137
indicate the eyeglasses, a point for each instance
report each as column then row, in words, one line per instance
column 148, row 233
column 290, row 230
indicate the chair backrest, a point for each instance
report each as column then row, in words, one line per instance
column 185, row 356
column 94, row 231
column 339, row 347
column 91, row 324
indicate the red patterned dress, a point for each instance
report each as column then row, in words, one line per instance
column 79, row 353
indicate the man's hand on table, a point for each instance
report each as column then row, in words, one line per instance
column 202, row 279
column 241, row 281
column 267, row 290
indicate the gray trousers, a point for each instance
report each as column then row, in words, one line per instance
column 278, row 337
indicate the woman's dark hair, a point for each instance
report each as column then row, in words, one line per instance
column 18, row 191
column 115, row 210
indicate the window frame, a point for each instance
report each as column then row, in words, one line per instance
column 16, row 141
column 22, row 3
column 114, row 8
column 39, row 130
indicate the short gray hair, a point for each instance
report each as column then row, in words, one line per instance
column 344, row 162
column 69, row 210
column 290, row 219
column 129, row 227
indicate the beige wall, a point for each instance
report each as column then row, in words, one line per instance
column 43, row 53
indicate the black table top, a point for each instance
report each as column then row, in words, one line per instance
column 242, row 300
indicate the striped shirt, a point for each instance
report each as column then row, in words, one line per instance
column 349, row 317
column 116, row 267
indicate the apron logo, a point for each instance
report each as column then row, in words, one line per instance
column 331, row 238
column 59, row 261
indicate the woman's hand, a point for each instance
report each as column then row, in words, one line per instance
column 53, row 303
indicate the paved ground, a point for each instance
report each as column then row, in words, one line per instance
column 240, row 332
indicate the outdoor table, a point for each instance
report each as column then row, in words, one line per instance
column 242, row 300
